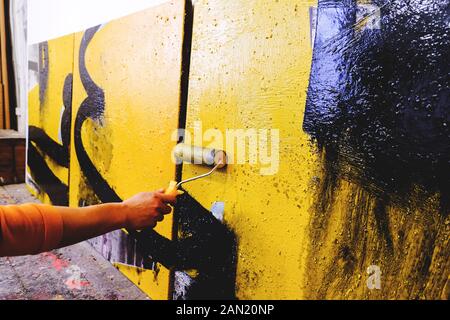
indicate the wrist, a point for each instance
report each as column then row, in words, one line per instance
column 118, row 214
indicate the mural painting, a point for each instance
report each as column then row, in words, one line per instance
column 352, row 96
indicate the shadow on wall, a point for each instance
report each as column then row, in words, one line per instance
column 205, row 251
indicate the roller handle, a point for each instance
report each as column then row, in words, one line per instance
column 171, row 188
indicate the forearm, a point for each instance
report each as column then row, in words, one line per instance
column 35, row 228
column 80, row 224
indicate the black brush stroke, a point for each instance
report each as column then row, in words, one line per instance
column 57, row 152
column 93, row 108
column 378, row 99
column 56, row 190
column 39, row 169
column 47, row 145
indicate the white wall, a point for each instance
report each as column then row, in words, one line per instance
column 34, row 21
column 49, row 19
column 18, row 12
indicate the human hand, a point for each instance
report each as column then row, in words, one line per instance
column 146, row 209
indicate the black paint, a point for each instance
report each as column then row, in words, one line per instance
column 66, row 120
column 47, row 181
column 377, row 107
column 48, row 146
column 378, row 100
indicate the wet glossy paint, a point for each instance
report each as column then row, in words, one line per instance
column 377, row 108
column 377, row 99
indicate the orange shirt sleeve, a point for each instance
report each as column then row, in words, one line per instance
column 29, row 229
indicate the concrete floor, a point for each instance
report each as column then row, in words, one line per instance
column 72, row 273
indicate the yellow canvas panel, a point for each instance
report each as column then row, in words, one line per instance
column 49, row 106
column 126, row 106
column 303, row 231
column 249, row 70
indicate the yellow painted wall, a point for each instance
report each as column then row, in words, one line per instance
column 250, row 69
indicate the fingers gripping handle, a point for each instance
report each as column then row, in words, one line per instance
column 172, row 188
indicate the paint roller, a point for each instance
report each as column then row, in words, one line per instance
column 217, row 159
column 197, row 155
